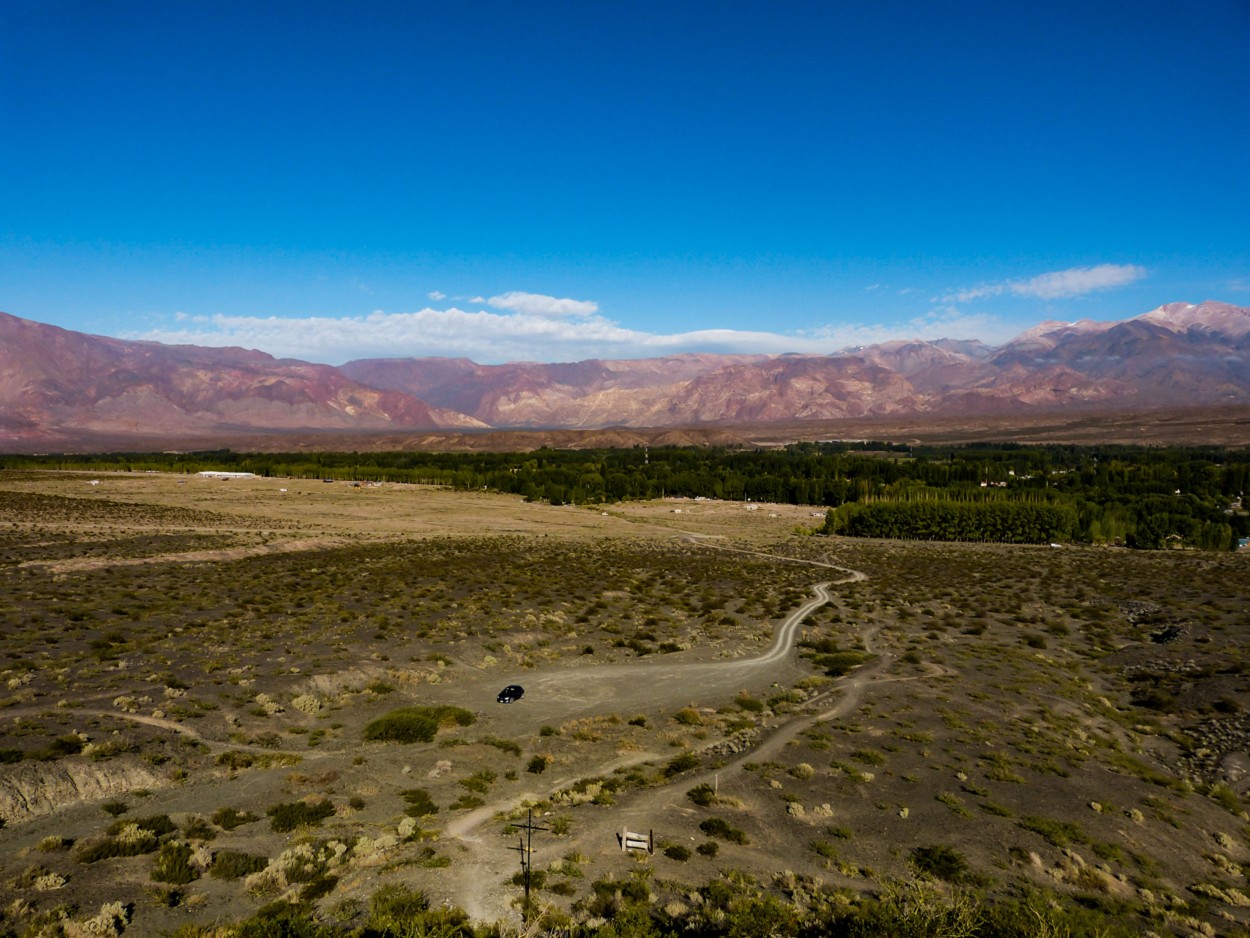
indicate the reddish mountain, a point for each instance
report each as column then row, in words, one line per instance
column 66, row 389
column 58, row 386
column 591, row 393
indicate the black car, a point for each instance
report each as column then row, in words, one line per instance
column 511, row 693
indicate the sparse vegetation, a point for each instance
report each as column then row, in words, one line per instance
column 959, row 712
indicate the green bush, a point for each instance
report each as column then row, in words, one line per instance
column 235, row 760
column 196, row 828
column 683, row 763
column 106, row 848
column 290, row 815
column 940, row 862
column 234, row 864
column 702, row 795
column 396, row 911
column 479, row 782
column 719, row 827
column 416, row 724
column 1057, row 833
column 158, row 825
column 230, row 818
column 677, row 852
column 841, row 662
column 419, row 802
column 173, row 865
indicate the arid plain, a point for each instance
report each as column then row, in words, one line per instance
column 198, row 675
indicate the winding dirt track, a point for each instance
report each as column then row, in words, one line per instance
column 488, row 861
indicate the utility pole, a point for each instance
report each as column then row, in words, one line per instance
column 525, row 846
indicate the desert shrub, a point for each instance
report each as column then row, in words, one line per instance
column 803, row 771
column 702, row 795
column 719, row 827
column 941, row 862
column 396, row 910
column 677, row 852
column 115, row 808
column 503, row 745
column 196, row 828
column 234, row 864
column 1224, row 796
column 416, row 724
column 479, row 782
column 158, row 825
column 403, row 726
column 709, row 849
column 749, row 703
column 1058, row 833
column 282, row 920
column 419, row 802
column 688, row 716
column 683, row 763
column 131, row 843
column 825, row 849
column 290, row 815
column 10, row 756
column 235, row 760
column 230, row 818
column 320, row 885
column 538, row 764
column 173, row 865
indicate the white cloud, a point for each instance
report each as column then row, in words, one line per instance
column 1077, row 281
column 1059, row 284
column 437, row 295
column 526, row 327
column 536, row 304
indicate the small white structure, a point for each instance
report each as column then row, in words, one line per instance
column 629, row 840
column 211, row 474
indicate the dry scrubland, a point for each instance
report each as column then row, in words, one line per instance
column 189, row 671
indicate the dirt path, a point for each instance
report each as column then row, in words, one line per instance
column 487, row 862
column 78, row 564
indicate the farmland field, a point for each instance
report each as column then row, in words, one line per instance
column 216, row 695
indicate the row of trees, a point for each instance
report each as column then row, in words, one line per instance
column 1145, row 496
column 1011, row 522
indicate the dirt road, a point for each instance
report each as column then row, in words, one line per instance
column 555, row 695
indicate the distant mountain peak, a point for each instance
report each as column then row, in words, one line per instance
column 1212, row 316
column 63, row 389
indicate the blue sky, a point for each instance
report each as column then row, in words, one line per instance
column 556, row 181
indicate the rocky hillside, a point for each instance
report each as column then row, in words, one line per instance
column 61, row 388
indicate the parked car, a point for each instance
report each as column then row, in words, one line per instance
column 511, row 693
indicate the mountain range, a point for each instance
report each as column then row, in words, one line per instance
column 67, row 390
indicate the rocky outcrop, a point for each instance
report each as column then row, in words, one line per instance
column 32, row 789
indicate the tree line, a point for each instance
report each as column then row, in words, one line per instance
column 1147, row 497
